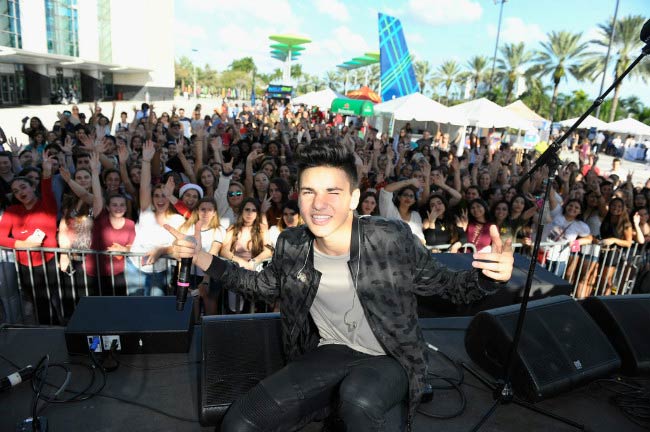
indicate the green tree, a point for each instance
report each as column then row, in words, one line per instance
column 183, row 71
column 245, row 64
column 422, row 72
column 561, row 56
column 333, row 80
column 632, row 105
column 296, row 71
column 512, row 65
column 625, row 43
column 536, row 96
column 574, row 105
column 447, row 73
column 477, row 67
column 374, row 77
column 644, row 116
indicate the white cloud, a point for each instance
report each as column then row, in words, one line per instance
column 514, row 30
column 190, row 31
column 413, row 38
column 441, row 12
column 231, row 11
column 333, row 8
column 342, row 45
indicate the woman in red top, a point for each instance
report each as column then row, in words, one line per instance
column 478, row 227
column 112, row 232
column 32, row 224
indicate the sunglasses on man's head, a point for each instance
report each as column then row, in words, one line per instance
column 235, row 193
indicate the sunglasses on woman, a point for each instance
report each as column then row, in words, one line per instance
column 235, row 193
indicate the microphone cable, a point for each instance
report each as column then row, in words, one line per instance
column 447, row 383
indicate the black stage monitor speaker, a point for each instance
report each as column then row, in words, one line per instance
column 560, row 347
column 626, row 321
column 138, row 324
column 237, row 352
column 545, row 284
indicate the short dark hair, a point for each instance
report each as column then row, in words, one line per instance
column 76, row 156
column 53, row 147
column 326, row 152
column 116, row 195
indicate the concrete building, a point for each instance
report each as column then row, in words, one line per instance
column 96, row 49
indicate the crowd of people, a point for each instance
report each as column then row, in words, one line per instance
column 111, row 185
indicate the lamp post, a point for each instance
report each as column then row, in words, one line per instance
column 609, row 49
column 194, row 50
column 496, row 45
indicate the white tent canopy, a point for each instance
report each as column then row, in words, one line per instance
column 588, row 123
column 522, row 110
column 322, row 98
column 484, row 113
column 629, row 126
column 418, row 107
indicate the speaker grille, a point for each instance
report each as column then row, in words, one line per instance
column 238, row 351
column 625, row 320
column 557, row 341
column 633, row 315
column 560, row 346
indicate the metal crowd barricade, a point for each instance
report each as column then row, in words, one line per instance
column 622, row 264
column 617, row 269
column 62, row 289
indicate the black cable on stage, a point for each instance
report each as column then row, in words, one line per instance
column 86, row 393
column 154, row 409
column 630, row 397
column 39, row 372
column 10, row 362
column 452, row 384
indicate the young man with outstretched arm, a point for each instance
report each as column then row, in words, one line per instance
column 347, row 288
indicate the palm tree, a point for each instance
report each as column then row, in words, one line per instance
column 422, row 71
column 536, row 96
column 625, row 43
column 374, row 77
column 512, row 65
column 477, row 67
column 332, row 80
column 632, row 105
column 447, row 73
column 562, row 56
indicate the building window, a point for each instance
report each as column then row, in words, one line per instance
column 62, row 27
column 10, row 33
column 104, row 30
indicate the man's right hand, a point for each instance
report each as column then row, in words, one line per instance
column 184, row 247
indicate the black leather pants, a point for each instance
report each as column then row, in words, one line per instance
column 368, row 393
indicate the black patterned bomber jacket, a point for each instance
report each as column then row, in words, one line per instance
column 394, row 266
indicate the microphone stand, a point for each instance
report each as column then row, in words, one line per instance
column 502, row 391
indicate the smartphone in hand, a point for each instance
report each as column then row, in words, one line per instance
column 38, row 235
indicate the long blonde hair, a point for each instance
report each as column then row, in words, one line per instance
column 194, row 217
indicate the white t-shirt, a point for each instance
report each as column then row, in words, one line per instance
column 208, row 236
column 273, row 233
column 337, row 310
column 562, row 230
column 388, row 210
column 150, row 235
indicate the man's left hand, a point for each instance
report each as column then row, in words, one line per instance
column 496, row 265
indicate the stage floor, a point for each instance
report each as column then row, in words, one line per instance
column 174, row 390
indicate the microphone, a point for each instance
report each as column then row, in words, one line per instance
column 645, row 32
column 16, row 378
column 183, row 279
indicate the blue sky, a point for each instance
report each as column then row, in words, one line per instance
column 435, row 30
